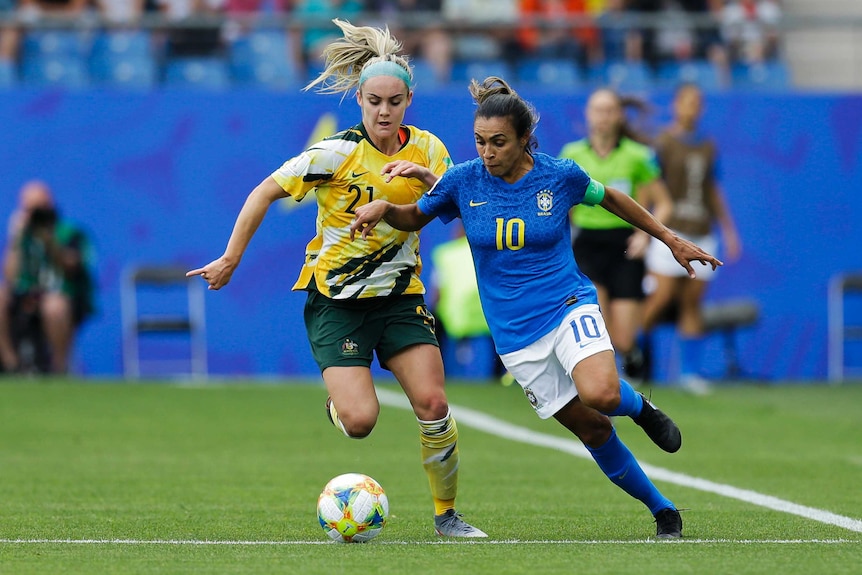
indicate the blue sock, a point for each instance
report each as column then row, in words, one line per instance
column 631, row 402
column 689, row 355
column 621, row 467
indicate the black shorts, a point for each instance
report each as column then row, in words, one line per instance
column 601, row 255
column 346, row 332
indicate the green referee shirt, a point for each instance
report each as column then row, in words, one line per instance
column 627, row 167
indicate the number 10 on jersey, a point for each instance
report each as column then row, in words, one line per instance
column 510, row 234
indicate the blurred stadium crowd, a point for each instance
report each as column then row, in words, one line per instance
column 629, row 44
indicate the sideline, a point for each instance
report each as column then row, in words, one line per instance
column 204, row 542
column 492, row 425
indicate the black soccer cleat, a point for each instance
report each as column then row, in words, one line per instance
column 668, row 524
column 659, row 427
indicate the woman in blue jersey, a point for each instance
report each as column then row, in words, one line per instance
column 366, row 300
column 542, row 311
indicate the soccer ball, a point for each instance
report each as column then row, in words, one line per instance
column 352, row 508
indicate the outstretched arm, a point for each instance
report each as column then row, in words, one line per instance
column 218, row 272
column 406, row 217
column 684, row 251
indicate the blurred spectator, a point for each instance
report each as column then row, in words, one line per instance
column 29, row 11
column 750, row 30
column 418, row 24
column 679, row 31
column 46, row 266
column 619, row 41
column 243, row 14
column 198, row 37
column 471, row 22
column 34, row 9
column 648, row 36
column 120, row 11
column 707, row 41
column 396, row 8
column 688, row 159
column 675, row 39
column 551, row 33
column 319, row 31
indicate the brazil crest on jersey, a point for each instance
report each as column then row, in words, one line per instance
column 345, row 170
column 521, row 242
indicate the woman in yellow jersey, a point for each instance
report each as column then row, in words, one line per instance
column 366, row 298
column 609, row 250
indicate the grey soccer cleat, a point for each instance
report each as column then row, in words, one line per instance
column 450, row 524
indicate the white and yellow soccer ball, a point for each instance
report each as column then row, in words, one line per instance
column 352, row 508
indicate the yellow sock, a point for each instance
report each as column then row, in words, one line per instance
column 441, row 506
column 439, row 440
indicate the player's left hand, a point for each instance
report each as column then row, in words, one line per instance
column 686, row 252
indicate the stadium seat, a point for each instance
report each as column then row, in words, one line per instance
column 845, row 290
column 54, row 58
column 164, row 322
column 123, row 59
column 465, row 70
column 550, row 73
column 623, row 76
column 762, row 76
column 262, row 58
column 204, row 73
column 54, row 43
column 700, row 72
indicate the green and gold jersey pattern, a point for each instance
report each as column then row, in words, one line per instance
column 344, row 170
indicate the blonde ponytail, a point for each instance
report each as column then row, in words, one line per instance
column 361, row 47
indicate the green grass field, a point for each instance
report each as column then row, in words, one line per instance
column 114, row 477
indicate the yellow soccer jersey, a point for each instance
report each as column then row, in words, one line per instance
column 345, row 170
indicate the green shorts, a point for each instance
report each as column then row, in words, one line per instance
column 345, row 332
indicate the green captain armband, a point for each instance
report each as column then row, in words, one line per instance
column 595, row 193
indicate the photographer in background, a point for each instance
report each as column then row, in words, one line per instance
column 48, row 285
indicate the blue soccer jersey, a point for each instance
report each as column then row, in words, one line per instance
column 521, row 242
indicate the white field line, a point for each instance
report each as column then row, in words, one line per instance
column 500, row 428
column 204, row 542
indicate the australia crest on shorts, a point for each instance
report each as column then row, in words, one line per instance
column 349, row 347
column 545, row 202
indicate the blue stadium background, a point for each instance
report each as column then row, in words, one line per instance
column 158, row 177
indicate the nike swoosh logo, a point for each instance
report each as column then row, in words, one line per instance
column 474, row 204
column 355, row 175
